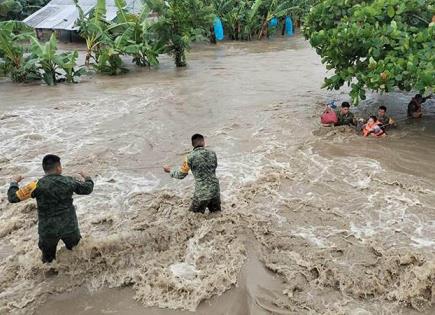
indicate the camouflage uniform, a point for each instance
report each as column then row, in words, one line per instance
column 343, row 119
column 203, row 164
column 57, row 219
column 384, row 120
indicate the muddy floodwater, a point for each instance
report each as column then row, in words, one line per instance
column 314, row 221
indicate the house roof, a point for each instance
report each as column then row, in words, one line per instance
column 62, row 14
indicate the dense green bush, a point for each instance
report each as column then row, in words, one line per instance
column 379, row 45
column 247, row 19
column 24, row 58
column 19, row 9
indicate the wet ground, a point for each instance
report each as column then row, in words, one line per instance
column 315, row 220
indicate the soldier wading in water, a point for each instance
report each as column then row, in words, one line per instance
column 203, row 164
column 57, row 219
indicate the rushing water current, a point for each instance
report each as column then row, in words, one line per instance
column 315, row 220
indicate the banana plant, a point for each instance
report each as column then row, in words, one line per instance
column 179, row 23
column 276, row 9
column 134, row 36
column 43, row 58
column 13, row 36
column 68, row 63
column 49, row 64
column 244, row 19
column 109, row 62
column 94, row 29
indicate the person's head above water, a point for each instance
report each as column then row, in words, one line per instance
column 345, row 107
column 418, row 97
column 51, row 164
column 372, row 120
column 382, row 110
column 198, row 140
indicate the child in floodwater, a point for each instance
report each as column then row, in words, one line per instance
column 372, row 127
column 203, row 164
column 57, row 219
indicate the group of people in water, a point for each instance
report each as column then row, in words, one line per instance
column 57, row 219
column 374, row 125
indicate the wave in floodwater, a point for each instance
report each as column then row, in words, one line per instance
column 346, row 223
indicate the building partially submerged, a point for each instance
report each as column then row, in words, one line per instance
column 61, row 15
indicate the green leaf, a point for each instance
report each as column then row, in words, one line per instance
column 391, row 12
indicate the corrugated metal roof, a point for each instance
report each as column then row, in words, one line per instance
column 62, row 14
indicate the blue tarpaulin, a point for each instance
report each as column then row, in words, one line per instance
column 218, row 29
column 289, row 26
column 273, row 22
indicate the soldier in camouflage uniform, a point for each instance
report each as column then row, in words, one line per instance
column 203, row 164
column 57, row 219
column 344, row 116
column 385, row 120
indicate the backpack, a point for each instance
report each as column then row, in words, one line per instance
column 329, row 118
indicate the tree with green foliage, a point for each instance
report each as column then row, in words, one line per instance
column 179, row 23
column 19, row 9
column 380, row 45
column 9, row 8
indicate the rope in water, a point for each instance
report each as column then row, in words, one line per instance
column 101, row 169
column 106, row 169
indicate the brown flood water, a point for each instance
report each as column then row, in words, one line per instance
column 315, row 220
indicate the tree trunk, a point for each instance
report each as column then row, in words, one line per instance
column 263, row 28
column 180, row 58
column 283, row 29
column 238, row 29
column 88, row 59
column 212, row 35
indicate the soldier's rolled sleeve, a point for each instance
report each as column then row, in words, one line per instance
column 84, row 188
column 182, row 171
column 178, row 174
column 12, row 193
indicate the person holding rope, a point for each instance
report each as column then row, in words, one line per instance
column 384, row 120
column 57, row 219
column 203, row 163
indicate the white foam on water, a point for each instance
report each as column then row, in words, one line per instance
column 184, row 270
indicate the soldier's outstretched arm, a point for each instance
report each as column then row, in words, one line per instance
column 17, row 194
column 84, row 188
column 182, row 172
